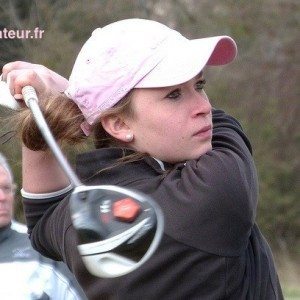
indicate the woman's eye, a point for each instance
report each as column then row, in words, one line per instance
column 200, row 84
column 174, row 94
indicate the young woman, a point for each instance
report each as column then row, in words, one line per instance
column 138, row 86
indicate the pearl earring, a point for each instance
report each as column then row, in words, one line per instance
column 129, row 137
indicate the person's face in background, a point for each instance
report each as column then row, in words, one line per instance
column 6, row 197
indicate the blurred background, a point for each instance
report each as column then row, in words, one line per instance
column 261, row 88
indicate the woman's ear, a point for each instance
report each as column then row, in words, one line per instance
column 116, row 127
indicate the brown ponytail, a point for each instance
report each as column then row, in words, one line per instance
column 63, row 117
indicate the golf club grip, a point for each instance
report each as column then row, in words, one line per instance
column 29, row 93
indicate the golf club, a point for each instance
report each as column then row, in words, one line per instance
column 118, row 228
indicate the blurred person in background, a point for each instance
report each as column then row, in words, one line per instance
column 24, row 273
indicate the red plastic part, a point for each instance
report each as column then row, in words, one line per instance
column 126, row 210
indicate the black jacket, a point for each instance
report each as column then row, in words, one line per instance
column 211, row 248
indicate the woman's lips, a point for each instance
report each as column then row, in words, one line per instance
column 204, row 132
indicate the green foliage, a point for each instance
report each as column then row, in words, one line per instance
column 261, row 88
column 291, row 293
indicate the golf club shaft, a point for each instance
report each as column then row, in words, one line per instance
column 31, row 100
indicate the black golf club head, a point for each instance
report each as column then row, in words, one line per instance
column 118, row 229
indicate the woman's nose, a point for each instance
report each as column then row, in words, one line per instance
column 202, row 104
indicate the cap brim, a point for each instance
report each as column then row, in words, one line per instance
column 186, row 60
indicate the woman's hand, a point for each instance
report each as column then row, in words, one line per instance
column 41, row 171
column 45, row 81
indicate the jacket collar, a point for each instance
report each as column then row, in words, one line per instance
column 89, row 164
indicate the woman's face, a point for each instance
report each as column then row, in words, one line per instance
column 173, row 124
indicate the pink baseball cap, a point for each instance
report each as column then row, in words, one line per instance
column 138, row 53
